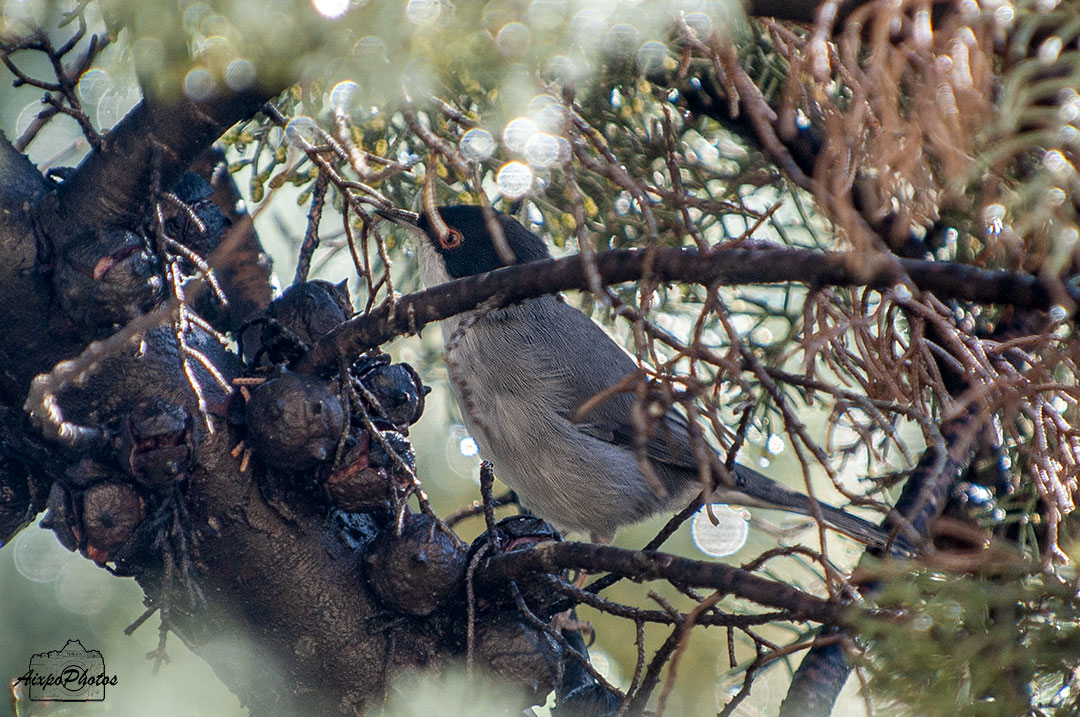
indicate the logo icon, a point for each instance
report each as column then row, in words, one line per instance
column 70, row 674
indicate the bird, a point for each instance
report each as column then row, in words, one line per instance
column 521, row 374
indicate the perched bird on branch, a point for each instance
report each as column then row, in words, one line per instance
column 522, row 375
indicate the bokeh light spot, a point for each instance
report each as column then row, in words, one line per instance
column 477, row 145
column 39, row 555
column 542, row 150
column 518, row 132
column 93, row 85
column 468, row 447
column 423, row 12
column 301, row 132
column 651, row 56
column 199, row 85
column 724, row 538
column 513, row 40
column 345, row 97
column 331, row 8
column 240, row 74
column 514, row 179
column 83, row 588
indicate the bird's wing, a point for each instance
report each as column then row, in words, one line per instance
column 603, row 364
column 594, row 362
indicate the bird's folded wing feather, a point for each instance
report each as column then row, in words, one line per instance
column 604, row 364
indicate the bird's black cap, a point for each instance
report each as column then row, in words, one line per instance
column 470, row 248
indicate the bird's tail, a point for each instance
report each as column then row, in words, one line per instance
column 756, row 490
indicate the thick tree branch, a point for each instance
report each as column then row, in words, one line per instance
column 721, row 266
column 22, row 300
column 113, row 185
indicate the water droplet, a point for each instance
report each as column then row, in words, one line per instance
column 477, row 145
column 345, row 97
column 518, row 132
column 514, row 179
column 461, row 464
column 39, row 556
column 969, row 9
column 301, row 132
column 1058, row 313
column 330, row 8
column 513, row 40
column 993, row 213
column 724, row 538
column 565, row 150
column 901, row 292
column 616, row 98
column 775, row 444
column 542, row 150
column 199, row 84
column 599, row 661
column 423, row 12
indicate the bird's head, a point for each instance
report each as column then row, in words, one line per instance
column 455, row 242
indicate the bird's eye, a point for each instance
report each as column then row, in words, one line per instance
column 451, row 239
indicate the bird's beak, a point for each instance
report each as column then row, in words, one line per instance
column 400, row 216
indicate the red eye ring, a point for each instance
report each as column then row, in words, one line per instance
column 452, row 239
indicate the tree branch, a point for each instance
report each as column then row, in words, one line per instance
column 721, row 266
column 113, row 185
column 552, row 557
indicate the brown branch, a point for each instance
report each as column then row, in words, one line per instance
column 763, row 264
column 641, row 565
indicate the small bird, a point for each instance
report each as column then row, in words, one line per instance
column 521, row 373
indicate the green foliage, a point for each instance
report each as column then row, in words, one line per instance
column 969, row 645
